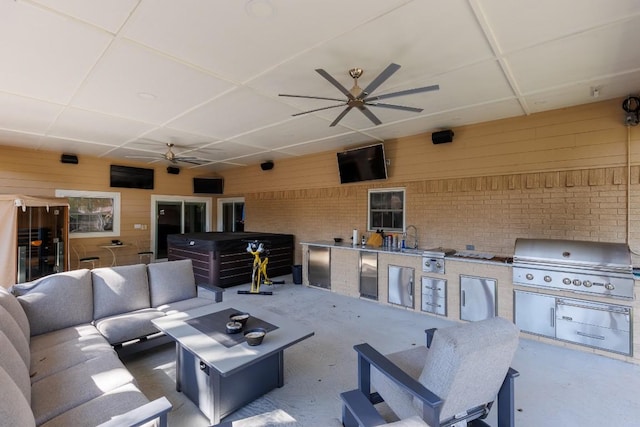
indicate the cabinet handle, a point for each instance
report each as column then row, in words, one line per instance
column 432, row 304
column 553, row 317
column 597, row 337
column 463, row 299
column 410, row 286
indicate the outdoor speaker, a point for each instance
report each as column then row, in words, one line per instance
column 173, row 170
column 442, row 136
column 69, row 158
column 266, row 166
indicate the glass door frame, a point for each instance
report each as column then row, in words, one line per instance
column 155, row 199
column 221, row 202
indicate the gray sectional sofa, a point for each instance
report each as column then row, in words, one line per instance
column 59, row 336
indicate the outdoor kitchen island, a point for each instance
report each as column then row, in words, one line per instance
column 472, row 286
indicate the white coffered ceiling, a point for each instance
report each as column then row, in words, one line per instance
column 121, row 78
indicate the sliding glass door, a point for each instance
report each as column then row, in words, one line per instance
column 231, row 214
column 176, row 215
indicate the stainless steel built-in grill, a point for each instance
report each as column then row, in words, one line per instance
column 587, row 267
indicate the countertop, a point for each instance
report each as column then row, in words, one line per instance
column 467, row 256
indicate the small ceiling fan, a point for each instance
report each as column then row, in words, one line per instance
column 172, row 157
column 361, row 98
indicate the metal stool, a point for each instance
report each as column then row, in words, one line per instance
column 84, row 259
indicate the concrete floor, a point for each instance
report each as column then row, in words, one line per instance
column 556, row 387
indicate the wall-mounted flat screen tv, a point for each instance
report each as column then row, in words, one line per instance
column 362, row 164
column 130, row 177
column 208, row 185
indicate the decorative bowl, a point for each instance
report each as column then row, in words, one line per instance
column 240, row 317
column 234, row 327
column 255, row 336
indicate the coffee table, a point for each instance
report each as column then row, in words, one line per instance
column 219, row 375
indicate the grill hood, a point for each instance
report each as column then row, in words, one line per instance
column 573, row 254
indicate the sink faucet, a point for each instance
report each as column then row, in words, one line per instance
column 413, row 236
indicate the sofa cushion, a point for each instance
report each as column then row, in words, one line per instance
column 13, row 332
column 11, row 304
column 59, row 357
column 101, row 409
column 184, row 305
column 128, row 326
column 76, row 385
column 466, row 364
column 72, row 334
column 119, row 289
column 57, row 301
column 13, row 364
column 410, row 361
column 171, row 281
column 14, row 408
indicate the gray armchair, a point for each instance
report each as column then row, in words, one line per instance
column 451, row 381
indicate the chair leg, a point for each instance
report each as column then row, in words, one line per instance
column 506, row 400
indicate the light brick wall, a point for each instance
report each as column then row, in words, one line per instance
column 487, row 212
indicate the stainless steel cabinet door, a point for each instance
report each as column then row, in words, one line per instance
column 319, row 268
column 369, row 275
column 477, row 298
column 401, row 285
column 535, row 313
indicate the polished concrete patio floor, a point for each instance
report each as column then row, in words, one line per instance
column 556, row 387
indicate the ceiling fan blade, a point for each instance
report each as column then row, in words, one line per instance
column 310, row 97
column 376, row 121
column 403, row 92
column 395, row 107
column 382, row 77
column 192, row 161
column 334, row 82
column 319, row 109
column 340, row 116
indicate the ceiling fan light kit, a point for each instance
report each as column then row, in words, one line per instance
column 361, row 98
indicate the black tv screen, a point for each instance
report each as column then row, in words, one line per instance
column 130, row 177
column 208, row 185
column 362, row 164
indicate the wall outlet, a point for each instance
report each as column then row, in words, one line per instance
column 471, row 247
column 137, row 226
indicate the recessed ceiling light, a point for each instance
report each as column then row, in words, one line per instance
column 259, row 8
column 147, row 96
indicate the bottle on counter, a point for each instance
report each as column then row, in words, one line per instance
column 364, row 241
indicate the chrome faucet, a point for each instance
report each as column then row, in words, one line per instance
column 413, row 236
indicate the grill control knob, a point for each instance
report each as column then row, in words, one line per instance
column 609, row 286
column 566, row 281
column 577, row 282
column 547, row 279
column 438, row 265
column 586, row 284
column 427, row 264
column 529, row 276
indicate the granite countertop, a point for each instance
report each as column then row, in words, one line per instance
column 469, row 256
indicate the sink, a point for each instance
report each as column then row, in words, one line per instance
column 412, row 251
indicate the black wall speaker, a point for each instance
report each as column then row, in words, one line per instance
column 173, row 170
column 442, row 136
column 69, row 158
column 266, row 166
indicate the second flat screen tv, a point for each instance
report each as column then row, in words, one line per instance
column 130, row 177
column 362, row 164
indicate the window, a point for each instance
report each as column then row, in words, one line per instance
column 386, row 209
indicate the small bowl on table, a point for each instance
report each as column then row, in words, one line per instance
column 255, row 336
column 233, row 327
column 239, row 317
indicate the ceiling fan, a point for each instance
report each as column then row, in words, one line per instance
column 361, row 98
column 170, row 156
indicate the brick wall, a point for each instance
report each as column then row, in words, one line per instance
column 486, row 212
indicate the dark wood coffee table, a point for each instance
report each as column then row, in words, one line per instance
column 219, row 375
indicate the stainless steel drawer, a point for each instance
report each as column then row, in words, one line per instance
column 434, row 295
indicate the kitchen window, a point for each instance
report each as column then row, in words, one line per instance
column 386, row 209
